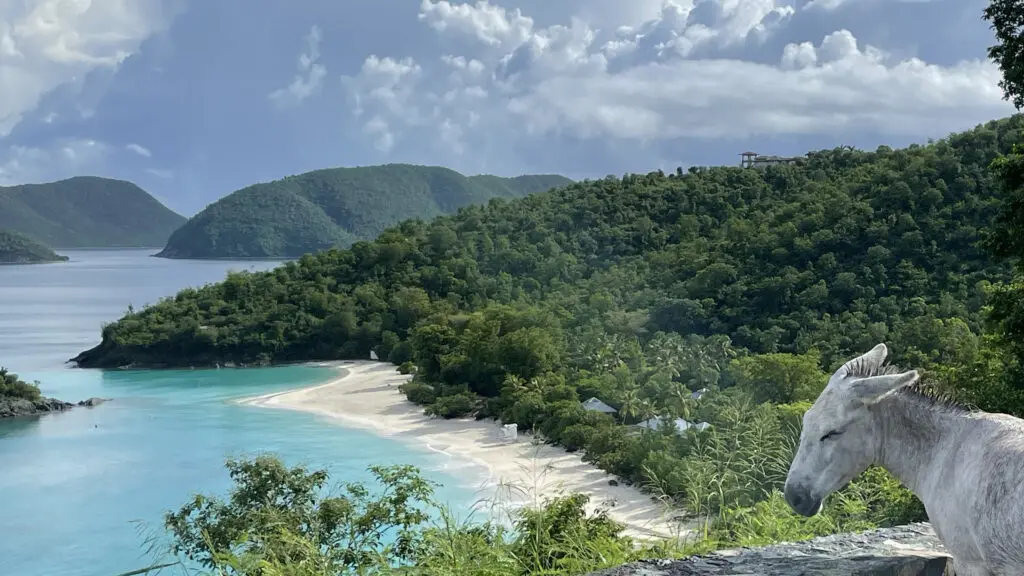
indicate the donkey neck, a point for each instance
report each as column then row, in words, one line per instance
column 913, row 435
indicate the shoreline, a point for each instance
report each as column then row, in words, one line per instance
column 513, row 473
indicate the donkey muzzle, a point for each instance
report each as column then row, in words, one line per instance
column 801, row 501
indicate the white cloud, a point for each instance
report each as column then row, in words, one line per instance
column 66, row 158
column 492, row 25
column 46, row 44
column 662, row 80
column 617, row 13
column 833, row 4
column 140, row 150
column 310, row 75
column 160, row 173
column 387, row 86
column 825, row 4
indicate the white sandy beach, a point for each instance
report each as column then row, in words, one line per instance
column 367, row 397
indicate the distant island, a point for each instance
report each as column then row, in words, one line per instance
column 335, row 208
column 87, row 212
column 16, row 248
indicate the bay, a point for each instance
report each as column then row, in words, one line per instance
column 82, row 492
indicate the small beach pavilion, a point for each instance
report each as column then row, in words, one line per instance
column 595, row 405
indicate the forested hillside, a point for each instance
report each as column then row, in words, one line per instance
column 87, row 212
column 849, row 250
column 17, row 248
column 335, row 207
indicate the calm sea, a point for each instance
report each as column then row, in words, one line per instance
column 81, row 492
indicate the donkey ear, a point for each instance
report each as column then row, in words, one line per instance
column 873, row 389
column 872, row 358
column 865, row 362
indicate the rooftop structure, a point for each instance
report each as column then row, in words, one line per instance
column 595, row 405
column 680, row 424
column 755, row 160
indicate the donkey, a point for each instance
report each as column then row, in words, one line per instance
column 967, row 467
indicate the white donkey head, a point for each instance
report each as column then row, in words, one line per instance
column 840, row 438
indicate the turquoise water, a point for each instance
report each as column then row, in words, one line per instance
column 81, row 491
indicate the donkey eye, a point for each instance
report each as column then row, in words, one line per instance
column 832, row 434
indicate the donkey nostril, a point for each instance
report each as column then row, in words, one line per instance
column 794, row 496
column 802, row 501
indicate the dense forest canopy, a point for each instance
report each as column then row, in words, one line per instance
column 87, row 212
column 335, row 207
column 16, row 248
column 848, row 250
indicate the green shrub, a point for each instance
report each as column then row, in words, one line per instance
column 576, row 437
column 13, row 387
column 454, row 406
column 418, row 392
column 401, row 354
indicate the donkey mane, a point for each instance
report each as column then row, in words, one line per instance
column 923, row 391
column 860, row 367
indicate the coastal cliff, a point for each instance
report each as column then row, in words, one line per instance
column 910, row 550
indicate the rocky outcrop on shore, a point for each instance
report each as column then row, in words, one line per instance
column 11, row 407
column 911, row 550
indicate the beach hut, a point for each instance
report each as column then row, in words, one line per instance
column 651, row 424
column 509, row 432
column 680, row 424
column 595, row 405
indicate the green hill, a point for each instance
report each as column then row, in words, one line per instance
column 335, row 207
column 849, row 249
column 87, row 212
column 17, row 248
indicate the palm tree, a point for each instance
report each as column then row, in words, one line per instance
column 630, row 409
column 680, row 403
column 518, row 384
column 634, row 407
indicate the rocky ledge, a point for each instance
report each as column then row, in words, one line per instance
column 911, row 550
column 10, row 407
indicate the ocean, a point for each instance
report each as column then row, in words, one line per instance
column 83, row 493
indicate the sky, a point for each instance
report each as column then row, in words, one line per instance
column 194, row 99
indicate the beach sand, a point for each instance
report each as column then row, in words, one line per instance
column 367, row 397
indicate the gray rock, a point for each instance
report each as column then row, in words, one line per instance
column 10, row 407
column 911, row 550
